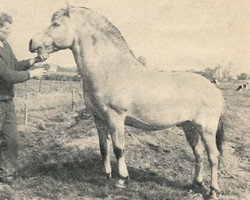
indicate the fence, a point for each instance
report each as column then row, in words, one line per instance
column 41, row 95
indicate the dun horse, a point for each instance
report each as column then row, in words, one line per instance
column 120, row 91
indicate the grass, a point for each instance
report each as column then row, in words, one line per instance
column 62, row 161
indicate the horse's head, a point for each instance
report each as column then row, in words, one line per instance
column 81, row 29
column 59, row 35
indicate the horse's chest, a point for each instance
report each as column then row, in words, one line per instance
column 92, row 103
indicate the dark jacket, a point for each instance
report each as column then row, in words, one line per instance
column 11, row 71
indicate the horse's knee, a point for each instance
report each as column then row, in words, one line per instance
column 119, row 152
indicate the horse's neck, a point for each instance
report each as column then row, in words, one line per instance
column 98, row 58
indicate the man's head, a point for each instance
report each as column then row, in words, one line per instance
column 5, row 26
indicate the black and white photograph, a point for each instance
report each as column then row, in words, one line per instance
column 124, row 100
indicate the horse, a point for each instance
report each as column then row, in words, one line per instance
column 119, row 91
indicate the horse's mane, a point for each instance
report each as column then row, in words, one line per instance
column 100, row 23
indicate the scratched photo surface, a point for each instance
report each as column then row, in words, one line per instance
column 133, row 88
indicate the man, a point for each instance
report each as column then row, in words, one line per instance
column 11, row 72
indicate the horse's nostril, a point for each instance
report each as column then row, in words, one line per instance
column 30, row 46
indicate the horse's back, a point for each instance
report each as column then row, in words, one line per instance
column 150, row 86
column 177, row 84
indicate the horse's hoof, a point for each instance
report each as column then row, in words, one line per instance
column 197, row 185
column 212, row 195
column 120, row 183
column 215, row 189
column 108, row 176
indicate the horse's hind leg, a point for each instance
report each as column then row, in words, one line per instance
column 194, row 139
column 209, row 139
column 104, row 141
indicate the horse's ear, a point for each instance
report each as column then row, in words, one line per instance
column 67, row 4
column 67, row 8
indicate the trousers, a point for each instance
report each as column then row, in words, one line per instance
column 8, row 137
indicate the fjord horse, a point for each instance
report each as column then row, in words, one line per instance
column 120, row 91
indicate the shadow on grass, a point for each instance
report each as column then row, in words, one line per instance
column 82, row 166
column 84, row 170
column 150, row 176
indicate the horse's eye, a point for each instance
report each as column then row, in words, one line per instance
column 55, row 24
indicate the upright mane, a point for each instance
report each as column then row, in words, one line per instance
column 60, row 13
column 100, row 23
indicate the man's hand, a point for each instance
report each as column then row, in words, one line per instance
column 38, row 73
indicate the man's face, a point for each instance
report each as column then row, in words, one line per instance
column 5, row 30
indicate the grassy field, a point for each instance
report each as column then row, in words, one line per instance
column 60, row 159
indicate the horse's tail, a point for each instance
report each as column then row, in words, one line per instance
column 220, row 136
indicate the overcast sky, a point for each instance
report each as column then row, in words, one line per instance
column 171, row 34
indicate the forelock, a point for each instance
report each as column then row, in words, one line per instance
column 60, row 13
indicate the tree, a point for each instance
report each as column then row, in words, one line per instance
column 242, row 76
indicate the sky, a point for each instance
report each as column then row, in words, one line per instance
column 170, row 34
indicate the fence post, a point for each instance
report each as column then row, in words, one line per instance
column 73, row 98
column 40, row 85
column 25, row 87
column 81, row 82
column 70, row 85
column 82, row 93
column 81, row 103
column 26, row 109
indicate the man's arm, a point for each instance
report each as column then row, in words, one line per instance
column 26, row 64
column 10, row 76
column 23, row 65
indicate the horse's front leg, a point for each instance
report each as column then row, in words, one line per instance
column 104, row 141
column 117, row 133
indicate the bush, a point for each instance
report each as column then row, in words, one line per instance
column 63, row 77
column 242, row 76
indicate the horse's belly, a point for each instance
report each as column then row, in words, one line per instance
column 162, row 116
column 137, row 123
